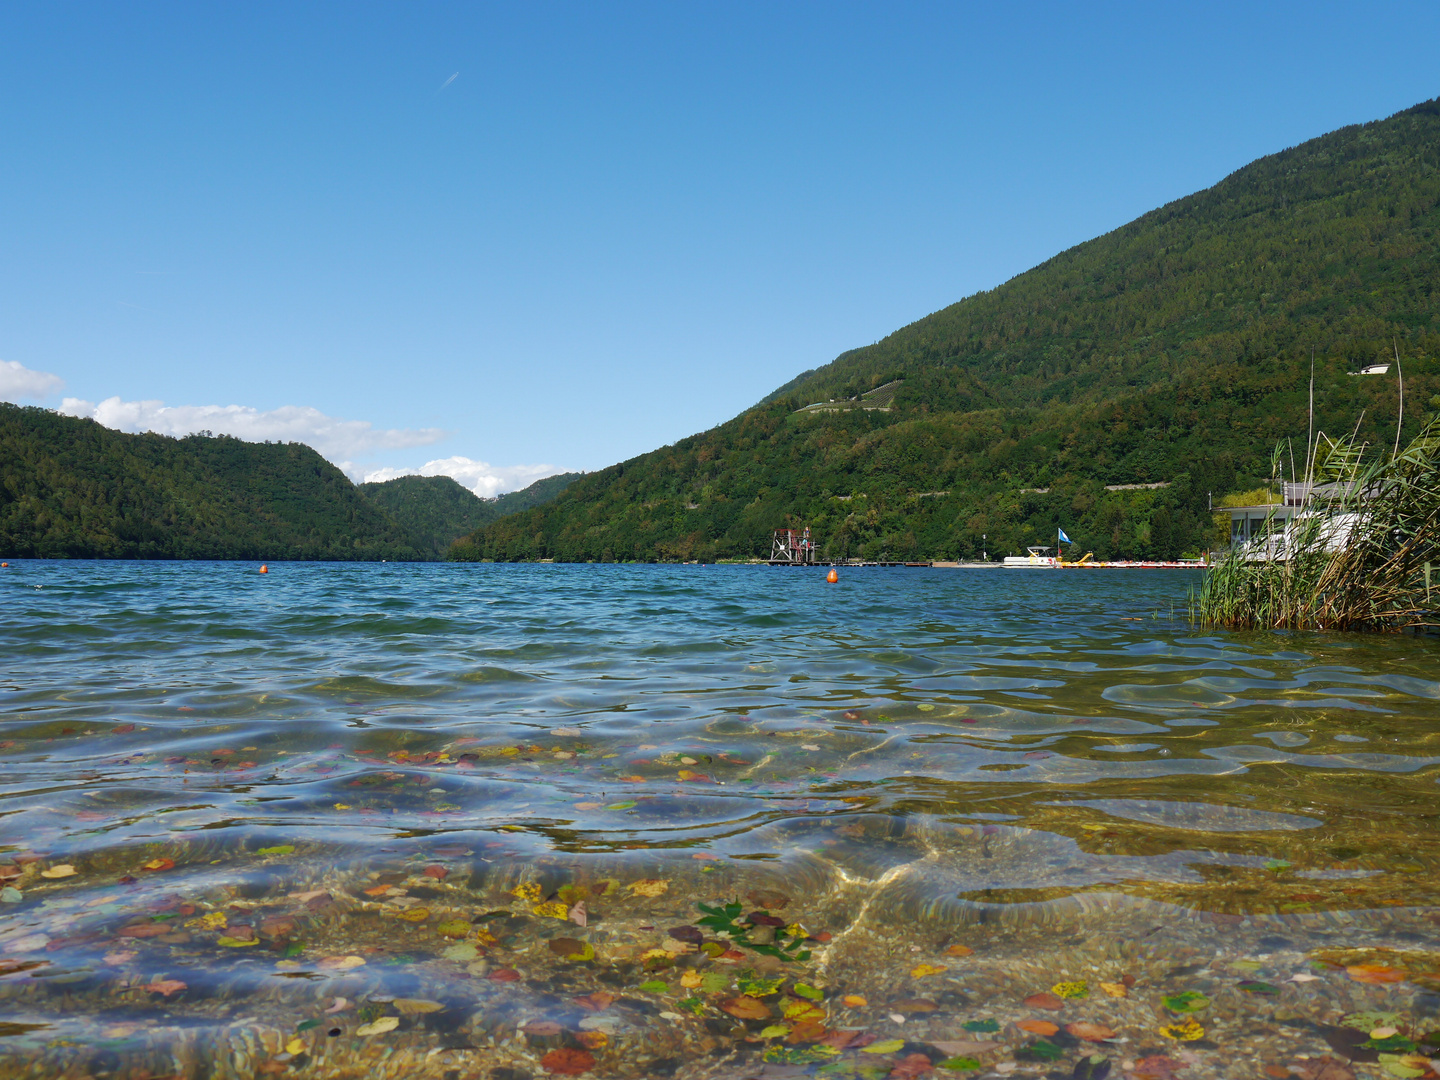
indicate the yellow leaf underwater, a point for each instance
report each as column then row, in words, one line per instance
column 1407, row 1066
column 416, row 1006
column 801, row 1010
column 919, row 971
column 648, row 887
column 379, row 1027
column 884, row 1046
column 1183, row 1031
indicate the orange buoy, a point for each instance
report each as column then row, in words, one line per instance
column 832, row 577
column 264, row 569
column 3, row 564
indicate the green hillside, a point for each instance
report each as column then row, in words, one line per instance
column 434, row 509
column 70, row 488
column 437, row 510
column 537, row 494
column 1175, row 349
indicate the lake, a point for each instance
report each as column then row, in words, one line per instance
column 481, row 821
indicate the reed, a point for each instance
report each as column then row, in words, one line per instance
column 1365, row 557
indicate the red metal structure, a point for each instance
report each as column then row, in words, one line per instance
column 792, row 546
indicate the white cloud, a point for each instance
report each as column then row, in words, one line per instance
column 341, row 441
column 338, row 440
column 481, row 477
column 17, row 381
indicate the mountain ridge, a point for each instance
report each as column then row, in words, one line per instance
column 437, row 510
column 72, row 488
column 1174, row 347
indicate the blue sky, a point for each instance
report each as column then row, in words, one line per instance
column 513, row 238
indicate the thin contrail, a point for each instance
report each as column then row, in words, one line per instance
column 448, row 81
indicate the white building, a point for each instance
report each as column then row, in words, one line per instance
column 1268, row 527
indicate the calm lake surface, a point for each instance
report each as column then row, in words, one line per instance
column 455, row 821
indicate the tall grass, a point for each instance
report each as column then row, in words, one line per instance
column 1366, row 556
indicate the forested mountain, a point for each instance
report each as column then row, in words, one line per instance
column 537, row 494
column 437, row 510
column 70, row 488
column 1175, row 349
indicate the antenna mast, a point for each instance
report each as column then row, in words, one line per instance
column 1399, row 374
column 1310, row 431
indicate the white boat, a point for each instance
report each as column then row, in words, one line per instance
column 1036, row 559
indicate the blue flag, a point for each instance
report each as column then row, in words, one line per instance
column 1065, row 539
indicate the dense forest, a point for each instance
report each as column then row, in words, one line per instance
column 1174, row 350
column 436, row 510
column 70, row 488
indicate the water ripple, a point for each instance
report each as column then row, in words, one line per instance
column 946, row 745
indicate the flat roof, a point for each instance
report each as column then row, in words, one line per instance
column 1269, row 508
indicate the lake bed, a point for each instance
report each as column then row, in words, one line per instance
column 695, row 821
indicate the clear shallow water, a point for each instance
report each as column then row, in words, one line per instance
column 374, row 784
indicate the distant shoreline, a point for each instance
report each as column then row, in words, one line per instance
column 16, row 561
